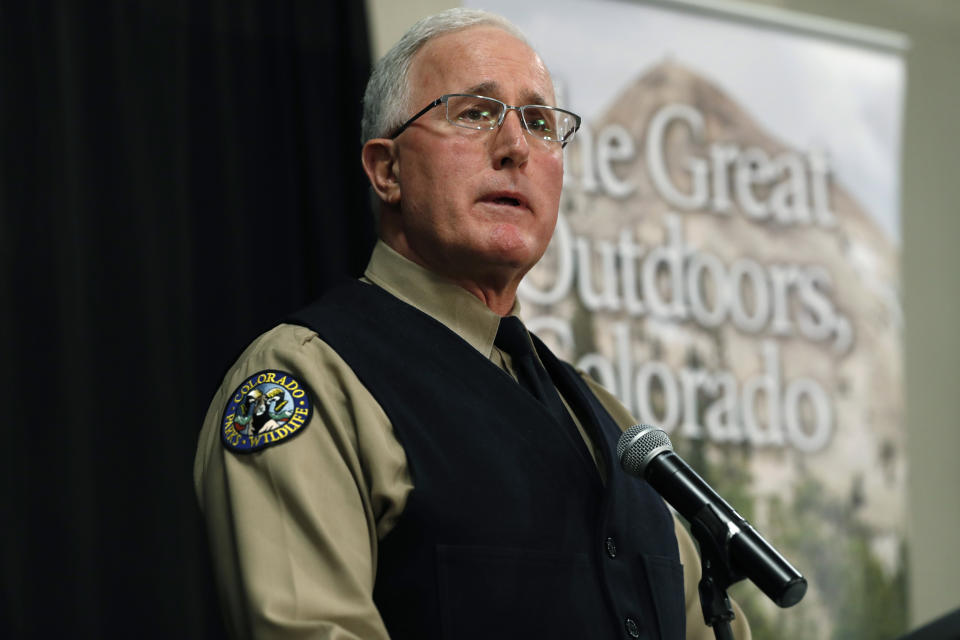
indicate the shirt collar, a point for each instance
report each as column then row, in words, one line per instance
column 444, row 301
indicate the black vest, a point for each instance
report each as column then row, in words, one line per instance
column 509, row 531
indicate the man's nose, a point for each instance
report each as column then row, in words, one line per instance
column 511, row 145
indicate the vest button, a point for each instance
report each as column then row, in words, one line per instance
column 632, row 628
column 611, row 547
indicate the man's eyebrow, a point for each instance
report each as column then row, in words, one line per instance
column 492, row 90
column 484, row 89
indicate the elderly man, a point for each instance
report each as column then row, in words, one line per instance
column 396, row 460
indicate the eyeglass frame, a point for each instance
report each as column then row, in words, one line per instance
column 445, row 98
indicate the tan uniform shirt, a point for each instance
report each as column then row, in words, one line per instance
column 294, row 528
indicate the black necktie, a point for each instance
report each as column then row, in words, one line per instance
column 512, row 337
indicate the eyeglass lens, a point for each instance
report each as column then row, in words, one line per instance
column 475, row 112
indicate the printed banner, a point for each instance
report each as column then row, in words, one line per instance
column 727, row 262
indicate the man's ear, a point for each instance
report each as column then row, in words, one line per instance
column 383, row 170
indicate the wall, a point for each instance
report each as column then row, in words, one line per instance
column 931, row 265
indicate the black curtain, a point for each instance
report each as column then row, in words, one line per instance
column 175, row 176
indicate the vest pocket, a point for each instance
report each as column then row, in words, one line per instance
column 664, row 575
column 490, row 592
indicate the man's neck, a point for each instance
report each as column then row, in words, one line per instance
column 495, row 288
column 498, row 300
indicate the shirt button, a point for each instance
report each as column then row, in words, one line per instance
column 610, row 547
column 632, row 628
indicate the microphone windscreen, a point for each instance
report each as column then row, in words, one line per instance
column 638, row 445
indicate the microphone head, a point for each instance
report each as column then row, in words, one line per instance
column 639, row 445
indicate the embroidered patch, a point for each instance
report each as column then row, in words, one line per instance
column 266, row 409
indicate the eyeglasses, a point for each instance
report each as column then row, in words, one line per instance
column 479, row 112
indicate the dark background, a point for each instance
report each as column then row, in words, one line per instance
column 175, row 177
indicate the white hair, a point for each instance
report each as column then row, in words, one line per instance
column 386, row 100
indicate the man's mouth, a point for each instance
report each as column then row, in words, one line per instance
column 509, row 199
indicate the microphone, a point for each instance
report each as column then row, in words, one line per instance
column 647, row 452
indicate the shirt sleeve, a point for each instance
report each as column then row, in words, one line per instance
column 689, row 557
column 294, row 527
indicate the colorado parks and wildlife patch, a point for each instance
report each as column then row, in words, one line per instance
column 266, row 409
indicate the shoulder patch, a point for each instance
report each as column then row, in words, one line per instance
column 266, row 409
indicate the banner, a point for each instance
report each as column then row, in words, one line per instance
column 727, row 263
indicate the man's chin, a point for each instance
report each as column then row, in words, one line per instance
column 507, row 263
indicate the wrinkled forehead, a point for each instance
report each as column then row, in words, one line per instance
column 485, row 60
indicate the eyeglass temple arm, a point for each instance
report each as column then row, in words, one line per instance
column 418, row 114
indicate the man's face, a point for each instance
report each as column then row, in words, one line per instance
column 477, row 205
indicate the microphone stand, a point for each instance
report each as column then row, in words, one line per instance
column 718, row 574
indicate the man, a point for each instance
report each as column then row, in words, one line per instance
column 367, row 470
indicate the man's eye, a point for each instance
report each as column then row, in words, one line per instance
column 538, row 124
column 475, row 114
column 539, row 121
